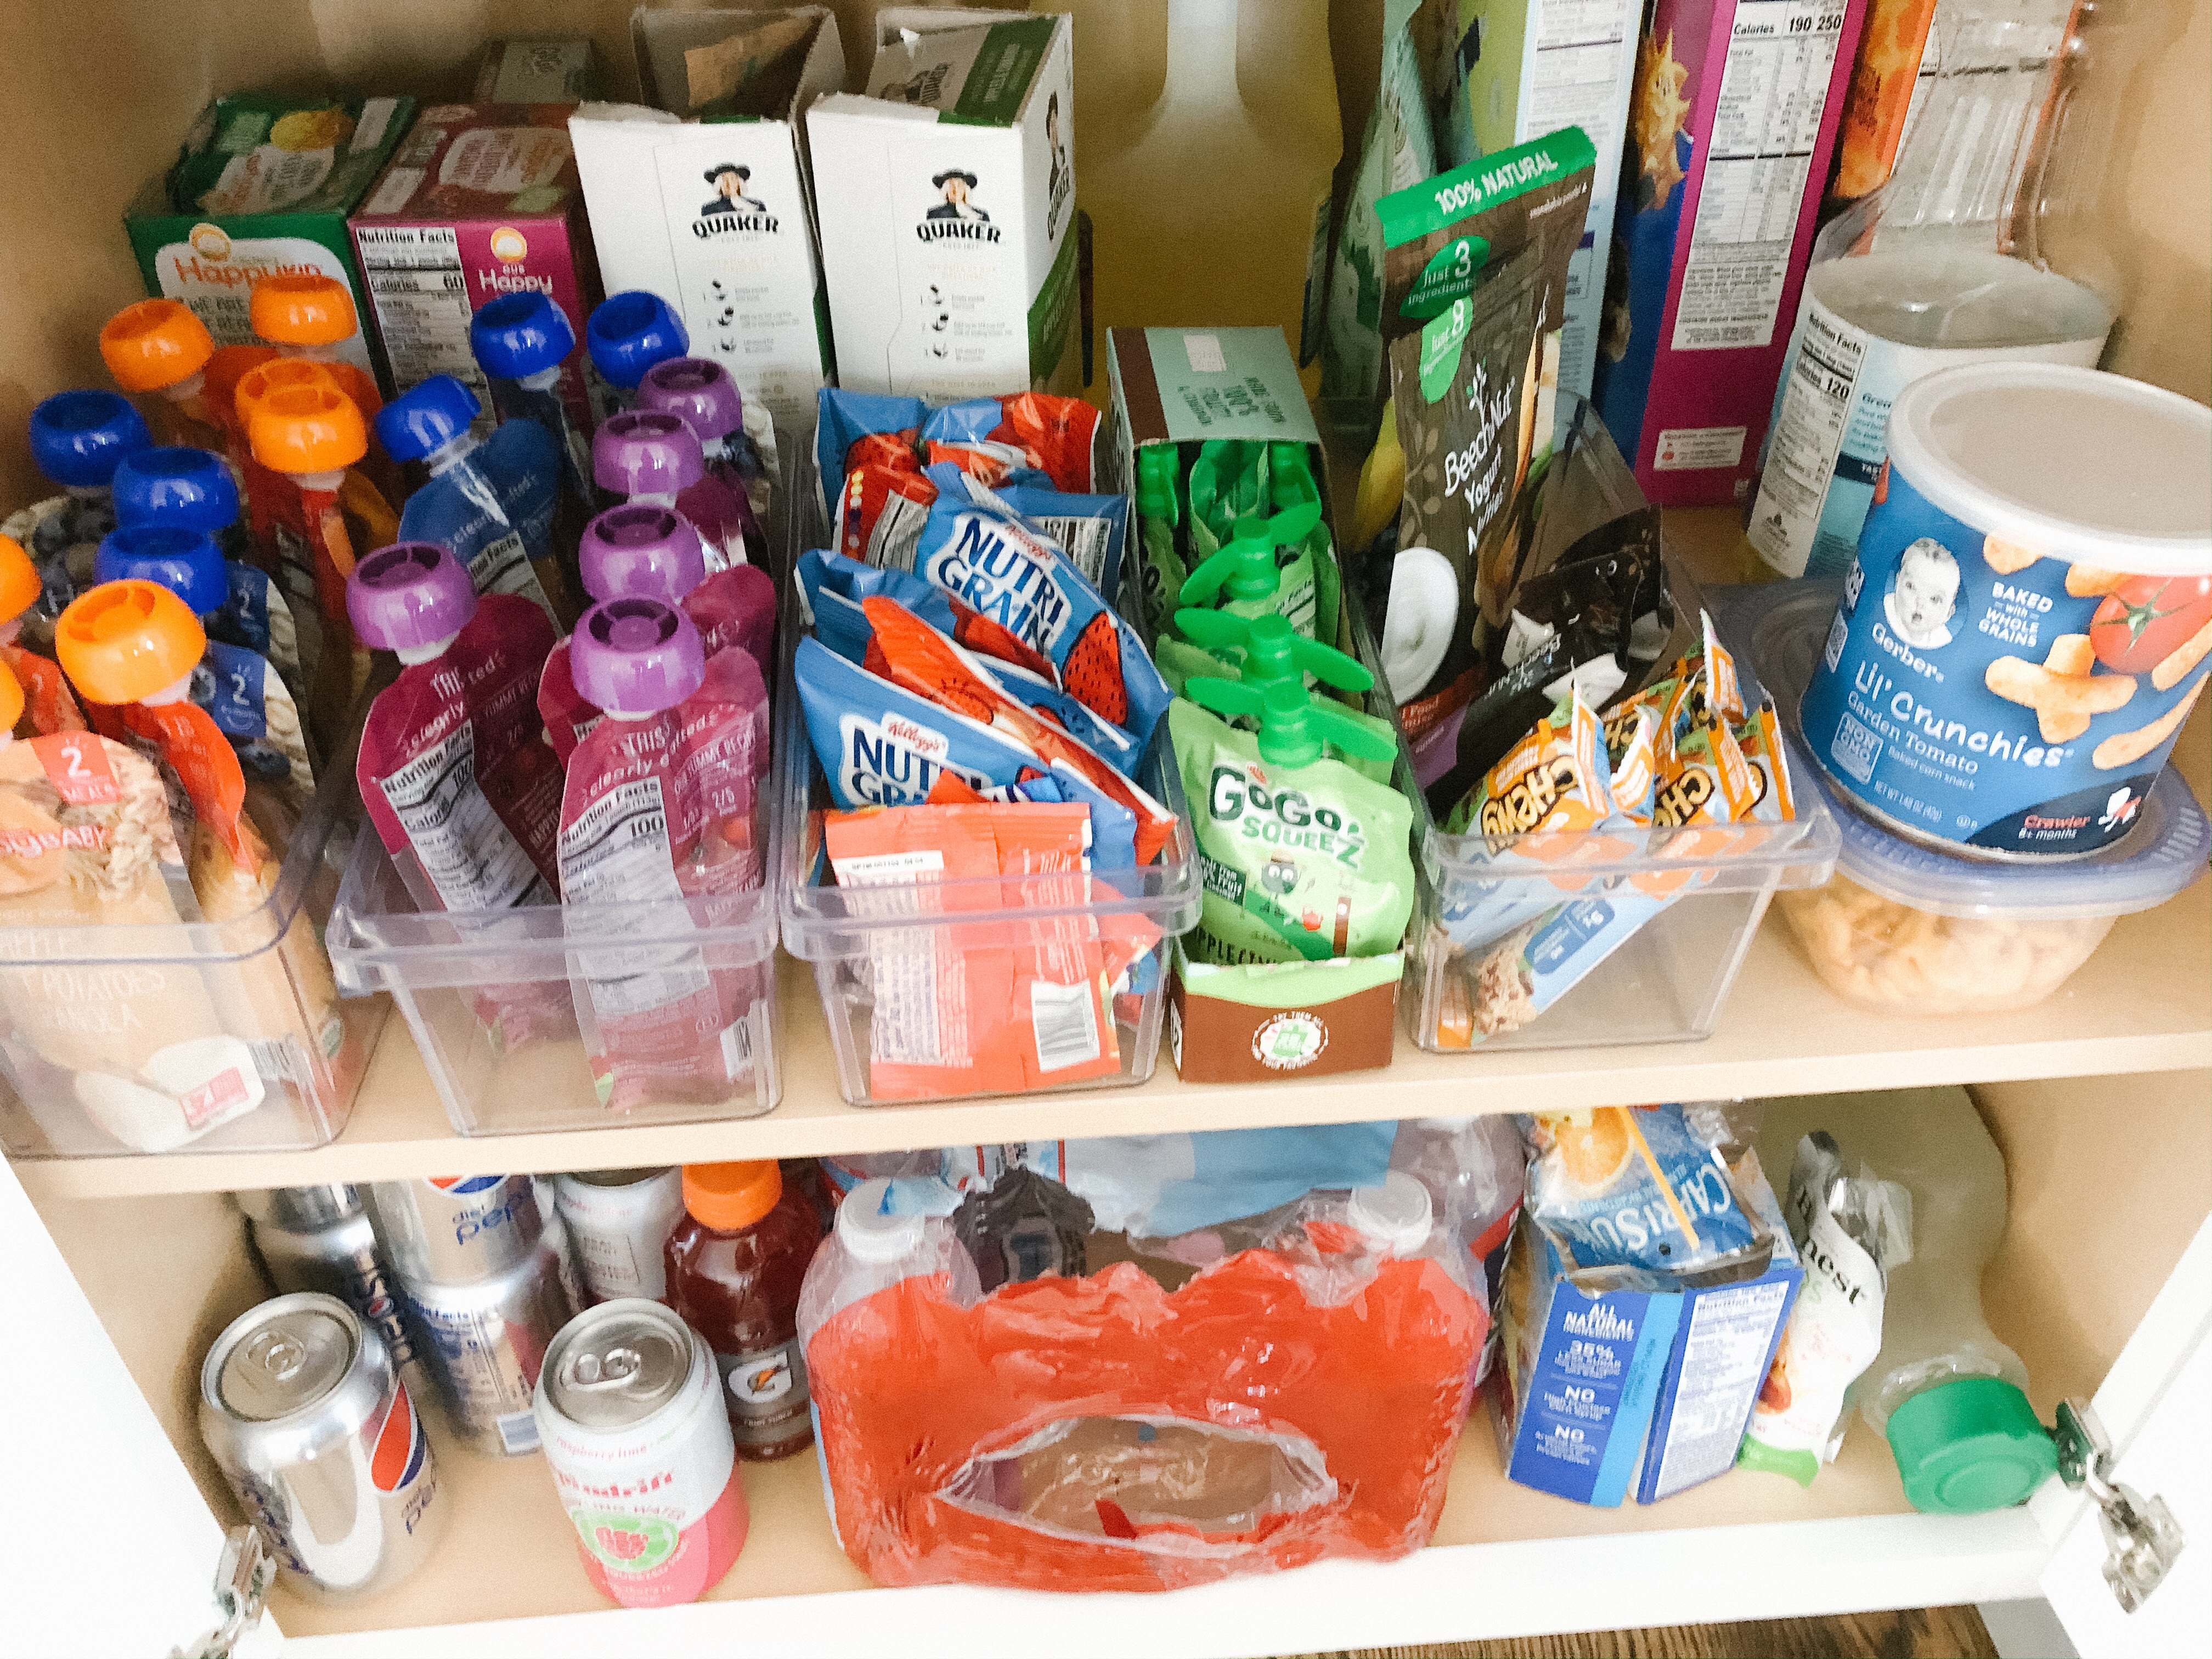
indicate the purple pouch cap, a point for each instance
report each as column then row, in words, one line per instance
column 642, row 552
column 408, row 595
column 635, row 656
column 698, row 391
column 643, row 452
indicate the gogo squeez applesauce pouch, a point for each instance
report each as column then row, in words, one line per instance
column 663, row 808
column 454, row 770
column 1852, row 1232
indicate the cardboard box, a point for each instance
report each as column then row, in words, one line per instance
column 263, row 184
column 715, row 215
column 537, row 72
column 1281, row 1019
column 947, row 197
column 1720, row 186
column 1596, row 1396
column 482, row 200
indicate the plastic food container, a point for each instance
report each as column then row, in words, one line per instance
column 844, row 932
column 268, row 1011
column 1903, row 929
column 1667, row 981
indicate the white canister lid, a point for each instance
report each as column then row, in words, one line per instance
column 867, row 1227
column 1396, row 1216
column 2075, row 464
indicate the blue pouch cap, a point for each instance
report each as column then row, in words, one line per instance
column 424, row 419
column 79, row 438
column 519, row 335
column 185, row 561
column 628, row 333
column 183, row 488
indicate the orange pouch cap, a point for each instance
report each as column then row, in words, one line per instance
column 11, row 699
column 303, row 310
column 19, row 580
column 258, row 382
column 155, row 343
column 305, row 429
column 124, row 641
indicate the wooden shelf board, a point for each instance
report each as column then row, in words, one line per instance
column 2142, row 1003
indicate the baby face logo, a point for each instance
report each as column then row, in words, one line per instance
column 957, row 216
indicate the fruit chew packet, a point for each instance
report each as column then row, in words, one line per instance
column 134, row 648
column 1852, row 1232
column 701, row 393
column 663, row 808
column 881, row 511
column 983, row 553
column 1090, row 529
column 492, row 503
column 1638, row 1198
column 453, row 769
column 42, row 698
column 909, row 653
column 192, row 490
column 1057, row 436
column 987, row 1006
column 653, row 553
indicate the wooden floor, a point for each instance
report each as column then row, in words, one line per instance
column 1914, row 1633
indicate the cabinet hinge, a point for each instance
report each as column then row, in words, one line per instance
column 2141, row 1538
column 241, row 1585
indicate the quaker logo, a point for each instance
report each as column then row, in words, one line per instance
column 957, row 217
column 1059, row 174
column 401, row 1449
column 732, row 210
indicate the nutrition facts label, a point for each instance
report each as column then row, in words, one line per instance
column 470, row 857
column 1765, row 122
column 1809, row 432
column 420, row 291
column 616, row 852
column 1731, row 1334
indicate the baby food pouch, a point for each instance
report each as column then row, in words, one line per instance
column 453, row 769
column 626, row 334
column 78, row 440
column 134, row 648
column 981, row 551
column 1263, row 570
column 158, row 347
column 700, row 392
column 1158, row 513
column 1634, row 1198
column 521, row 341
column 663, row 807
column 856, row 429
column 1299, row 863
column 1851, row 1231
column 44, row 701
column 653, row 553
column 490, row 504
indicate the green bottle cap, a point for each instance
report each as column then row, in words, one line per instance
column 1245, row 567
column 1273, row 648
column 1970, row 1445
column 1292, row 727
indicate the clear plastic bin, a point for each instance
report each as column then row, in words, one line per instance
column 269, row 1058
column 1904, row 929
column 1666, row 981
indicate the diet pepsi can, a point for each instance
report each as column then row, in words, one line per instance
column 630, row 1409
column 618, row 1223
column 319, row 1238
column 483, row 1343
column 317, row 1434
column 455, row 1230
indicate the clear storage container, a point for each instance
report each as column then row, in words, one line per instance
column 249, row 1047
column 1705, row 887
column 1903, row 929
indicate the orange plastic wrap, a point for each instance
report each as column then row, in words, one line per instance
column 1104, row 1433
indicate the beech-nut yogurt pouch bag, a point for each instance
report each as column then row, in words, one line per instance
column 2025, row 625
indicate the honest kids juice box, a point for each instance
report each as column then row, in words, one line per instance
column 262, row 185
column 1732, row 119
column 480, row 200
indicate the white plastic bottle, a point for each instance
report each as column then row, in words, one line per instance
column 1205, row 206
column 1950, row 1398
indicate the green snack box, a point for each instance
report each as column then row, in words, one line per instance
column 262, row 186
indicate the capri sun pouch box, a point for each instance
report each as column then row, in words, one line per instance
column 948, row 198
column 702, row 194
column 261, row 187
column 481, row 201
column 1732, row 120
column 1178, row 385
column 1598, row 1396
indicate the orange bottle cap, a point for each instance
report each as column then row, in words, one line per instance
column 726, row 1196
column 306, row 428
column 303, row 310
column 155, row 343
column 122, row 641
column 274, row 374
column 19, row 580
column 227, row 370
column 11, row 699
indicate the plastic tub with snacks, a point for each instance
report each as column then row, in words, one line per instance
column 1903, row 929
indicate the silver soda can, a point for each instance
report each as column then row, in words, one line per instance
column 482, row 1344
column 319, row 1436
column 455, row 1230
column 630, row 1414
column 319, row 1238
column 618, row 1224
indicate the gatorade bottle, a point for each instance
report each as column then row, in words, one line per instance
column 1948, row 1396
column 704, row 398
column 181, row 488
column 310, row 435
column 490, row 504
column 52, row 705
column 735, row 1263
column 158, row 348
column 627, row 334
column 520, row 341
column 240, row 692
column 77, row 439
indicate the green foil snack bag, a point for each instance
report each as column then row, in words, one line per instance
column 1299, row 863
